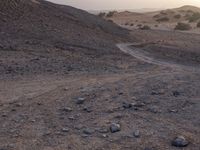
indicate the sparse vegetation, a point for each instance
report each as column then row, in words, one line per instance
column 163, row 19
column 126, row 24
column 178, row 16
column 198, row 24
column 194, row 17
column 156, row 16
column 102, row 14
column 182, row 26
column 110, row 14
column 163, row 13
column 145, row 27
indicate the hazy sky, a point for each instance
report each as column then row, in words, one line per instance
column 126, row 4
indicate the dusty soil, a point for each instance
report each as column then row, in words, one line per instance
column 58, row 98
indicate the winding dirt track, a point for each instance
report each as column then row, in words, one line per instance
column 136, row 52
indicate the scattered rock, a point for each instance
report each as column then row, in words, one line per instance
column 71, row 118
column 103, row 130
column 18, row 104
column 120, row 93
column 80, row 100
column 88, row 131
column 176, row 93
column 126, row 105
column 87, row 109
column 104, row 135
column 66, row 89
column 173, row 111
column 65, row 130
column 79, row 127
column 138, row 104
column 180, row 141
column 67, row 109
column 39, row 103
column 136, row 134
column 115, row 127
column 153, row 110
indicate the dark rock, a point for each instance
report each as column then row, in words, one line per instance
column 138, row 104
column 80, row 100
column 115, row 127
column 65, row 130
column 67, row 109
column 87, row 109
column 71, row 118
column 127, row 105
column 180, row 141
column 103, row 130
column 176, row 93
column 104, row 135
column 136, row 134
column 88, row 131
column 18, row 104
column 120, row 93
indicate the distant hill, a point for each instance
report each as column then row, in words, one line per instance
column 161, row 20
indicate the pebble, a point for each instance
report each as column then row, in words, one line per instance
column 71, row 118
column 88, row 131
column 115, row 127
column 67, row 109
column 103, row 130
column 180, row 141
column 65, row 130
column 176, row 93
column 136, row 134
column 80, row 100
column 18, row 104
column 126, row 105
column 87, row 109
column 104, row 135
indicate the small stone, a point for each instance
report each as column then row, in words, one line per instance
column 103, row 130
column 18, row 104
column 65, row 130
column 173, row 111
column 71, row 118
column 115, row 127
column 180, row 141
column 120, row 93
column 126, row 105
column 39, row 103
column 66, row 89
column 138, row 104
column 136, row 134
column 153, row 110
column 80, row 100
column 87, row 109
column 79, row 127
column 176, row 93
column 88, row 131
column 104, row 135
column 67, row 109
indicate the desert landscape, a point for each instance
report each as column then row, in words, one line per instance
column 71, row 80
column 185, row 18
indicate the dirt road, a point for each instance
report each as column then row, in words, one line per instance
column 131, row 48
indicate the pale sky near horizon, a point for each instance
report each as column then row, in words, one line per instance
column 126, row 4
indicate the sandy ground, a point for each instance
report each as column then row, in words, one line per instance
column 64, row 85
column 41, row 111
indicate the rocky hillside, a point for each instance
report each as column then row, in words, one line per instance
column 36, row 24
column 37, row 36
